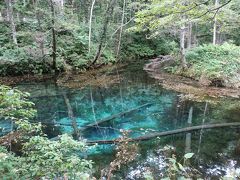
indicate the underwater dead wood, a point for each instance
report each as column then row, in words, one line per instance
column 105, row 119
column 53, row 96
column 71, row 116
column 167, row 133
column 114, row 116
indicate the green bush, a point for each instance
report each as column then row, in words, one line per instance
column 216, row 63
column 139, row 46
column 43, row 158
column 54, row 159
column 18, row 61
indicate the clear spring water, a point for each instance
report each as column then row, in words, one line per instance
column 216, row 151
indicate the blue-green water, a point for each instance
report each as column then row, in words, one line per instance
column 214, row 149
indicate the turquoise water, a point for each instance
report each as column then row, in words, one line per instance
column 215, row 150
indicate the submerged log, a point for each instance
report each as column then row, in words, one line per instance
column 53, row 95
column 71, row 116
column 108, row 119
column 53, row 123
column 167, row 133
column 114, row 116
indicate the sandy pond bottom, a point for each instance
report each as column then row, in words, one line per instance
column 216, row 151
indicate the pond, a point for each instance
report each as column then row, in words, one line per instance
column 156, row 110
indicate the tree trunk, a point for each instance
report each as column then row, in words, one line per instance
column 104, row 31
column 41, row 35
column 215, row 25
column 201, row 132
column 54, row 43
column 72, row 5
column 189, row 44
column 62, row 7
column 11, row 19
column 182, row 46
column 167, row 133
column 121, row 28
column 7, row 12
column 189, row 134
column 37, row 15
column 71, row 116
column 97, row 122
column 90, row 27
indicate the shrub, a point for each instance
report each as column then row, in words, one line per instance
column 22, row 60
column 139, row 46
column 217, row 63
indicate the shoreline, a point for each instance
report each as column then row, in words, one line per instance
column 191, row 88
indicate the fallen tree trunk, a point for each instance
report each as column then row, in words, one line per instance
column 114, row 116
column 108, row 118
column 167, row 133
column 53, row 123
column 72, row 117
column 53, row 95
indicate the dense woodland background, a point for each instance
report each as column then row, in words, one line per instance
column 60, row 35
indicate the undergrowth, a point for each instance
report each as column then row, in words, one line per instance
column 217, row 65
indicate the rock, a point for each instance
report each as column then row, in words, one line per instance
column 204, row 81
column 159, row 63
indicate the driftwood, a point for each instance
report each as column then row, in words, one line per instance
column 167, row 133
column 114, row 116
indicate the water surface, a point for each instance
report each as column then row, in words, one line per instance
column 216, row 151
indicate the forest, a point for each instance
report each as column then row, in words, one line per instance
column 119, row 89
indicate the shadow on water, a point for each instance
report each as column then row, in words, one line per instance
column 214, row 149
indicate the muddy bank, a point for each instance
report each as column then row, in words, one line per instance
column 190, row 88
column 12, row 80
column 102, row 76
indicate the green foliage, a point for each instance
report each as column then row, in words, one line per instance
column 140, row 47
column 141, row 50
column 177, row 170
column 52, row 159
column 44, row 158
column 108, row 57
column 24, row 60
column 33, row 54
column 15, row 107
column 219, row 62
column 8, row 164
column 14, row 104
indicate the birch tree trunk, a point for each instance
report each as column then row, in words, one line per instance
column 90, row 27
column 189, row 43
column 182, row 46
column 11, row 20
column 215, row 25
column 121, row 28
